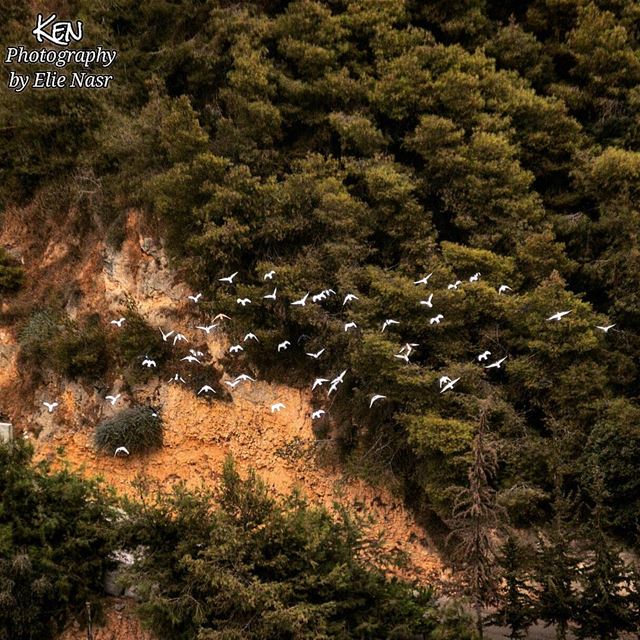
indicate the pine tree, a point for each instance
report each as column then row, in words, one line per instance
column 474, row 519
column 516, row 608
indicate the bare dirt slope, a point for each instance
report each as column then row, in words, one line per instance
column 92, row 276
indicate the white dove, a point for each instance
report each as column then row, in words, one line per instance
column 236, row 348
column 277, row 407
column 121, row 450
column 474, row 277
column 206, row 389
column 208, row 328
column 243, row 301
column 318, row 382
column 316, row 355
column 409, row 347
column 319, row 296
column 283, row 345
column 388, row 323
column 484, row 355
column 428, row 302
column 113, row 399
column 340, row 378
column 251, row 336
column 177, row 378
column 449, row 385
column 455, row 285
column 233, row 384
column 443, row 380
column 349, row 297
column 195, row 298
column 148, row 362
column 606, row 328
column 503, row 288
column 190, row 358
column 271, row 296
column 118, row 323
column 496, row 364
column 375, row 398
column 269, row 275
column 179, row 338
column 245, row 377
column 350, row 325
column 317, row 414
column 51, row 405
column 558, row 315
column 228, row 279
column 302, row 302
column 221, row 316
column 436, row 319
column 165, row 336
column 402, row 356
column 423, row 280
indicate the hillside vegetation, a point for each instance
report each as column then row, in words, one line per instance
column 360, row 146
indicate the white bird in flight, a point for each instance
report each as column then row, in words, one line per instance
column 148, row 362
column 606, row 328
column 195, row 298
column 317, row 354
column 206, row 389
column 443, row 380
column 179, row 338
column 251, row 336
column 484, row 355
column 350, row 325
column 277, row 407
column 118, row 323
column 271, row 296
column 190, row 358
column 244, row 377
column 558, row 315
column 449, row 385
column 208, row 328
column 113, row 399
column 436, row 319
column 50, row 405
column 233, row 384
column 339, row 379
column 318, row 382
column 428, row 302
column 496, row 364
column 408, row 347
column 349, row 297
column 423, row 280
column 302, row 302
column 317, row 414
column 375, row 398
column 388, row 323
column 503, row 288
column 474, row 277
column 165, row 336
column 283, row 345
column 269, row 275
column 236, row 348
column 121, row 450
column 243, row 301
column 455, row 285
column 177, row 378
column 319, row 296
column 228, row 279
column 221, row 316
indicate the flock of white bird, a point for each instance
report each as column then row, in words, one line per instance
column 445, row 382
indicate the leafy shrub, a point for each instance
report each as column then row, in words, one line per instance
column 55, row 542
column 246, row 564
column 82, row 351
column 139, row 429
column 11, row 273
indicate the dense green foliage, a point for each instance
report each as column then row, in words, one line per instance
column 55, row 540
column 244, row 564
column 138, row 429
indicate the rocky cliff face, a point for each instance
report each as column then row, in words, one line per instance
column 94, row 277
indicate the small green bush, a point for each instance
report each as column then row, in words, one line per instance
column 139, row 429
column 11, row 273
column 36, row 336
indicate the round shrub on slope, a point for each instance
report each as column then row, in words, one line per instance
column 139, row 429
